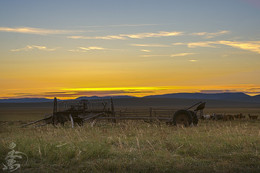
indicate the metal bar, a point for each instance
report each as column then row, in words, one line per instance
column 134, row 118
column 72, row 122
column 164, row 109
column 93, row 116
column 35, row 121
column 194, row 105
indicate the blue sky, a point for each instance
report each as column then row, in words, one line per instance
column 208, row 14
column 140, row 43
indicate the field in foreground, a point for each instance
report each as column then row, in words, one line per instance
column 137, row 147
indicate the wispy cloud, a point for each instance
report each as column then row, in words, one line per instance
column 81, row 93
column 172, row 55
column 150, row 45
column 33, row 47
column 76, row 92
column 154, row 55
column 104, row 38
column 120, row 25
column 181, row 54
column 253, row 46
column 132, row 36
column 92, row 48
column 108, row 37
column 112, row 89
column 144, row 50
column 202, row 44
column 39, row 31
column 211, row 35
column 250, row 46
column 159, row 34
column 85, row 49
column 198, row 44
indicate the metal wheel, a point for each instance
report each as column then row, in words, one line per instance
column 182, row 118
column 195, row 119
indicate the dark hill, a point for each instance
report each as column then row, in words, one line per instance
column 240, row 97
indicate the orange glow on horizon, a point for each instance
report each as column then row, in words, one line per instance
column 72, row 93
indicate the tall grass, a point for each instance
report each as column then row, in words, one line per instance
column 137, row 147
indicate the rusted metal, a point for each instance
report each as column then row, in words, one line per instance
column 92, row 110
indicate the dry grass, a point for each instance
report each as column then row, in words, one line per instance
column 138, row 147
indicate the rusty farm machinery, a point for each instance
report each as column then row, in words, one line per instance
column 78, row 112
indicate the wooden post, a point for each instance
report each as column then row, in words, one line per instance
column 72, row 122
column 54, row 115
column 55, row 105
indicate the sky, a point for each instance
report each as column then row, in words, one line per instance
column 79, row 48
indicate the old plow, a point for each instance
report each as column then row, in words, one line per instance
column 78, row 112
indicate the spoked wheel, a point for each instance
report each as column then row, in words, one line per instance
column 182, row 118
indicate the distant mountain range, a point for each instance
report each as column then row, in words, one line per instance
column 25, row 100
column 239, row 97
column 42, row 100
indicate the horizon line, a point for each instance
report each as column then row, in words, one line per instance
column 73, row 98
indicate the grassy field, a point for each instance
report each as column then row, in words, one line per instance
column 133, row 146
column 212, row 146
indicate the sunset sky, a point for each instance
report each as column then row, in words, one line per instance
column 137, row 47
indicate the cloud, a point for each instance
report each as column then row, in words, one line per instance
column 154, row 55
column 85, row 49
column 210, row 35
column 150, row 45
column 112, row 89
column 250, row 46
column 33, row 47
column 120, row 25
column 193, row 60
column 173, row 55
column 39, row 31
column 198, row 44
column 91, row 93
column 147, row 35
column 144, row 50
column 92, row 48
column 202, row 44
column 253, row 46
column 108, row 37
column 182, row 54
column 178, row 44
column 132, row 36
column 250, row 91
column 79, row 93
column 76, row 92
